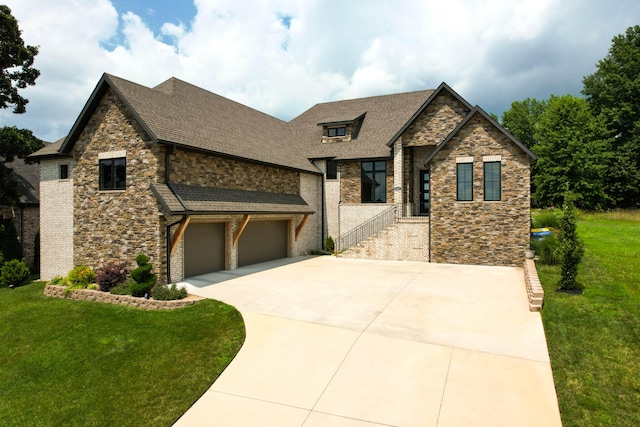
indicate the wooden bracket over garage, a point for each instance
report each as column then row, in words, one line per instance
column 179, row 233
column 241, row 227
column 301, row 225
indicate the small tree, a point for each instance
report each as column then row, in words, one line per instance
column 571, row 248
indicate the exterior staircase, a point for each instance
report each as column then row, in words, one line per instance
column 407, row 239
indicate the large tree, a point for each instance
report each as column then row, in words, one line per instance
column 522, row 120
column 613, row 92
column 16, row 61
column 573, row 153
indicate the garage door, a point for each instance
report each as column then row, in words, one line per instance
column 263, row 241
column 203, row 249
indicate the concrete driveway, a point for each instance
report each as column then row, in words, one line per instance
column 345, row 342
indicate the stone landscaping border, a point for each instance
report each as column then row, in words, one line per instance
column 126, row 300
column 534, row 287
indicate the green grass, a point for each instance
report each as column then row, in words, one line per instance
column 594, row 338
column 65, row 362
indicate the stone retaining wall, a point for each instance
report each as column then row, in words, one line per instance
column 534, row 287
column 126, row 300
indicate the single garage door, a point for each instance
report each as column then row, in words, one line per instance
column 263, row 241
column 203, row 248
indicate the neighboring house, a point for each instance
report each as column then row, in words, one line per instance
column 26, row 215
column 201, row 183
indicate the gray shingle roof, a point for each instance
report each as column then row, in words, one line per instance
column 206, row 200
column 385, row 115
column 27, row 177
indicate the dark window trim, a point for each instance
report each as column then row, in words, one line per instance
column 376, row 168
column 332, row 169
column 498, row 182
column 337, row 131
column 466, row 182
column 116, row 185
column 63, row 171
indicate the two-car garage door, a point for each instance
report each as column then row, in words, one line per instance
column 204, row 245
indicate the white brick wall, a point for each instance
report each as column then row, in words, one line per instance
column 56, row 220
column 310, row 236
column 353, row 215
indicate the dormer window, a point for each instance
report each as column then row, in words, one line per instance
column 337, row 131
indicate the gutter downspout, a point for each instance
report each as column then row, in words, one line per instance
column 323, row 207
column 184, row 217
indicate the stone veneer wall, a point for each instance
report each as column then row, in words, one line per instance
column 350, row 129
column 414, row 158
column 437, row 121
column 115, row 226
column 351, row 183
column 479, row 232
column 56, row 219
column 209, row 171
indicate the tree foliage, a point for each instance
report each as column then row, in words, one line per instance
column 522, row 120
column 573, row 154
column 571, row 248
column 14, row 143
column 16, row 61
column 613, row 92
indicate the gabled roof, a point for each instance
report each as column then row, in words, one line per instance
column 383, row 116
column 473, row 112
column 181, row 114
column 443, row 86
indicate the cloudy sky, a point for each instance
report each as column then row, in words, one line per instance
column 283, row 56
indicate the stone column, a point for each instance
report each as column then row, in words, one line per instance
column 397, row 172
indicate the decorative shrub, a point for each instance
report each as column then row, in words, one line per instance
column 547, row 249
column 329, row 244
column 547, row 218
column 13, row 273
column 121, row 289
column 9, row 244
column 59, row 281
column 81, row 276
column 111, row 275
column 571, row 248
column 167, row 293
column 142, row 276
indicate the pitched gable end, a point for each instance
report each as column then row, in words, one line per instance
column 473, row 112
column 106, row 82
column 443, row 87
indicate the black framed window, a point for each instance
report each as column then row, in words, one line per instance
column 332, row 169
column 425, row 192
column 113, row 174
column 339, row 131
column 492, row 181
column 374, row 182
column 63, row 172
column 464, row 182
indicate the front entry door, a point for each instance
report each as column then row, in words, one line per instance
column 425, row 192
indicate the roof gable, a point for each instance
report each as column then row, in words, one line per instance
column 477, row 110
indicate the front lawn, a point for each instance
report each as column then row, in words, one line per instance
column 66, row 362
column 594, row 338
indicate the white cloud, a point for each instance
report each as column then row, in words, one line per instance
column 491, row 52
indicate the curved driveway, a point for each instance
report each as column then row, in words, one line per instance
column 344, row 342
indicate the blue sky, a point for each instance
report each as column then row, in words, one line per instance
column 283, row 56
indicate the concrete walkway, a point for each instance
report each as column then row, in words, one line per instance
column 347, row 342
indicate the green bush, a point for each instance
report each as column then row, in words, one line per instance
column 329, row 244
column 571, row 248
column 121, row 289
column 547, row 249
column 167, row 293
column 59, row 281
column 9, row 244
column 13, row 273
column 546, row 218
column 142, row 276
column 81, row 276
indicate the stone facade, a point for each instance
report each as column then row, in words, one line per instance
column 211, row 171
column 56, row 220
column 478, row 231
column 351, row 182
column 437, row 121
column 350, row 130
column 115, row 226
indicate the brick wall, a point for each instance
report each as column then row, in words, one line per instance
column 115, row 226
column 56, row 220
column 310, row 235
column 479, row 232
column 209, row 171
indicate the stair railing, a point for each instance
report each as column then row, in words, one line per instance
column 367, row 229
